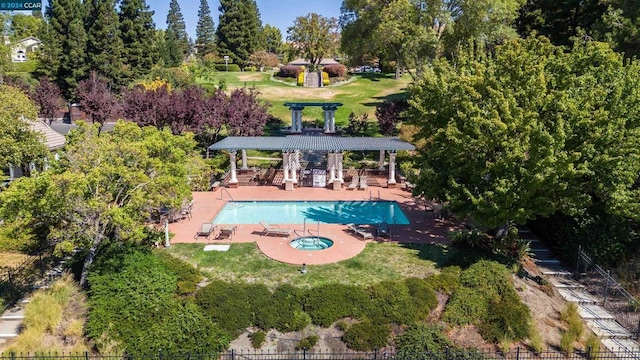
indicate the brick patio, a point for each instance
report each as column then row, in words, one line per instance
column 422, row 230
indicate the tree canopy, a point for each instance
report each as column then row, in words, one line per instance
column 177, row 28
column 529, row 131
column 138, row 37
column 315, row 36
column 238, row 31
column 205, row 31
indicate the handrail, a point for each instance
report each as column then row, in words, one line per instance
column 227, row 191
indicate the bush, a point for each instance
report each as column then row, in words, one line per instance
column 422, row 294
column 366, row 336
column 226, row 304
column 337, row 70
column 227, row 67
column 287, row 301
column 447, row 281
column 391, row 302
column 466, row 306
column 257, row 339
column 188, row 276
column 325, row 79
column 508, row 320
column 420, row 341
column 264, row 310
column 328, row 303
column 301, row 79
column 24, row 67
column 290, row 71
column 308, row 342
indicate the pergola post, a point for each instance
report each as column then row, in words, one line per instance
column 233, row 183
column 391, row 183
column 244, row 160
column 331, row 164
column 329, row 119
column 295, row 165
column 296, row 118
column 285, row 165
column 332, row 119
column 339, row 158
column 381, row 160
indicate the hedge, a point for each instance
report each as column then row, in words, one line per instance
column 132, row 302
column 291, row 71
column 328, row 303
column 337, row 70
column 301, row 79
column 227, row 67
column 188, row 276
column 325, row 79
column 366, row 336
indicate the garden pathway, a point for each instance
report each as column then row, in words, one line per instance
column 603, row 324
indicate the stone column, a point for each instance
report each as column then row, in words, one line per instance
column 299, row 119
column 233, row 183
column 325, row 113
column 381, row 161
column 295, row 164
column 332, row 120
column 285, row 165
column 392, row 170
column 339, row 156
column 244, row 160
column 331, row 164
column 294, row 120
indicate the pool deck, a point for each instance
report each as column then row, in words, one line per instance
column 424, row 229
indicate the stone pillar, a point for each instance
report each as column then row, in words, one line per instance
column 294, row 120
column 233, row 183
column 285, row 165
column 295, row 164
column 391, row 183
column 331, row 164
column 339, row 156
column 332, row 120
column 325, row 113
column 381, row 161
column 299, row 119
column 244, row 160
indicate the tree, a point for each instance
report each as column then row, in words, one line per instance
column 48, row 98
column 104, row 45
column 620, row 26
column 170, row 52
column 272, row 39
column 146, row 107
column 262, row 59
column 176, row 28
column 214, row 116
column 19, row 144
column 315, row 36
column 205, row 31
column 104, row 188
column 23, row 25
column 246, row 114
column 388, row 115
column 137, row 32
column 186, row 110
column 96, row 99
column 529, row 132
column 238, row 31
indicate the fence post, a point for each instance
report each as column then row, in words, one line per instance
column 304, row 353
column 446, row 353
column 13, row 355
column 86, row 355
column 233, row 355
column 578, row 260
column 518, row 353
column 160, row 354
column 375, row 354
column 606, row 288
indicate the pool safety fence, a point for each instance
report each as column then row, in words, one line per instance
column 515, row 354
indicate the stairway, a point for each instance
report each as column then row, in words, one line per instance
column 311, row 80
column 603, row 324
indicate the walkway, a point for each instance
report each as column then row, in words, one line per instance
column 603, row 324
column 423, row 229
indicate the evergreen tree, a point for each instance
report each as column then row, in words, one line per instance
column 175, row 25
column 104, row 45
column 63, row 51
column 239, row 29
column 137, row 31
column 205, row 32
column 171, row 54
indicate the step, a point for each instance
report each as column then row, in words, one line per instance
column 623, row 348
column 593, row 312
column 18, row 317
column 608, row 329
column 546, row 261
column 565, row 283
column 8, row 336
column 577, row 296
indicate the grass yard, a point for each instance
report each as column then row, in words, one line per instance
column 378, row 262
column 359, row 96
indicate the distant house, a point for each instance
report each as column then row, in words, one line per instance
column 306, row 62
column 20, row 49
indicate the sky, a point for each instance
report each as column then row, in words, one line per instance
column 278, row 13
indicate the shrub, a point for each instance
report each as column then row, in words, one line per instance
column 301, row 79
column 227, row 67
column 287, row 301
column 466, row 306
column 391, row 302
column 337, row 70
column 366, row 336
column 291, row 71
column 188, row 276
column 567, row 342
column 489, row 277
column 447, row 281
column 251, row 68
column 593, row 345
column 422, row 294
column 536, row 340
column 308, row 342
column 420, row 341
column 358, row 124
column 226, row 304
column 325, row 79
column 257, row 339
column 265, row 313
column 328, row 303
column 508, row 320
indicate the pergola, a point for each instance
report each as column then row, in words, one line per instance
column 329, row 115
column 291, row 145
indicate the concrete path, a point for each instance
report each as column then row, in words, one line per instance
column 612, row 335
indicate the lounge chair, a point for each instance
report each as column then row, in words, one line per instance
column 360, row 231
column 226, row 232
column 382, row 230
column 205, row 230
column 354, row 183
column 274, row 230
column 363, row 183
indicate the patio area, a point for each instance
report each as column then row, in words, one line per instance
column 424, row 227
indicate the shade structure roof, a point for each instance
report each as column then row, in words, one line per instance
column 311, row 143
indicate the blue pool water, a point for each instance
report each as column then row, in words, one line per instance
column 295, row 212
column 311, row 243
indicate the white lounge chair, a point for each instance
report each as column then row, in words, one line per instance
column 363, row 183
column 274, row 230
column 205, row 230
column 360, row 231
column 354, row 183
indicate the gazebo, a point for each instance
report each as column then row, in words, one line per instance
column 329, row 115
column 292, row 145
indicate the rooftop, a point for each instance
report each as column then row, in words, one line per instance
column 311, row 143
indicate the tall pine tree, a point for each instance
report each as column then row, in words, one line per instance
column 239, row 29
column 176, row 27
column 63, row 52
column 104, row 45
column 205, row 32
column 137, row 31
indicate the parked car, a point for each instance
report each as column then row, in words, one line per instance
column 367, row 69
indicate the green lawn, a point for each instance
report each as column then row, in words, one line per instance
column 358, row 96
column 378, row 262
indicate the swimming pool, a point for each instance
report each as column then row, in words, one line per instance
column 296, row 212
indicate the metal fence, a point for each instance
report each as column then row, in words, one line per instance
column 612, row 296
column 516, row 354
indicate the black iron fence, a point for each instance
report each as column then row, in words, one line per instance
column 612, row 295
column 516, row 354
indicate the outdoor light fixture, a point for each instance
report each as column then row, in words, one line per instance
column 304, row 269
